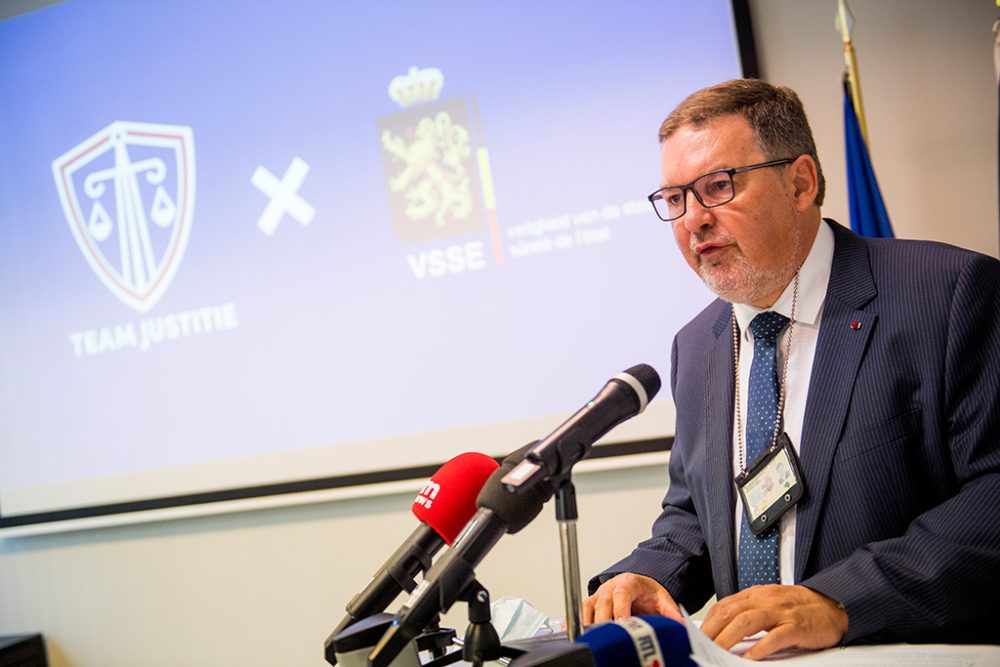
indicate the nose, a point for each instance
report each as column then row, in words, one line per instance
column 696, row 217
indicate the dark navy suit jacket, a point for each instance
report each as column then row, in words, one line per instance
column 900, row 449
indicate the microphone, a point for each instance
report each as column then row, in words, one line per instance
column 623, row 397
column 499, row 512
column 642, row 641
column 443, row 506
column 512, row 497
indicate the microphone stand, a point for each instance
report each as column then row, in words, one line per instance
column 482, row 643
column 566, row 515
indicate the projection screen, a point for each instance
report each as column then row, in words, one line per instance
column 254, row 247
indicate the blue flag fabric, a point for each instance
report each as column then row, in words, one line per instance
column 868, row 214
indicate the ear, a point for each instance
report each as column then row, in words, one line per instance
column 804, row 181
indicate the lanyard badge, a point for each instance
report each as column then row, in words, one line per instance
column 771, row 485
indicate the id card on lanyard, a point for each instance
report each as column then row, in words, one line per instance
column 771, row 485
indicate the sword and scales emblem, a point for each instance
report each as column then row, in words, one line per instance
column 123, row 168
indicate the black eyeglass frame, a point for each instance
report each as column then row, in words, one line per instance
column 690, row 186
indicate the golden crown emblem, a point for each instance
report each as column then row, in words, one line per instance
column 416, row 86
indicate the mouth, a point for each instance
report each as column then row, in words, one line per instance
column 709, row 249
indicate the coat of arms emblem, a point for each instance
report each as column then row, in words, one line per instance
column 128, row 196
column 430, row 163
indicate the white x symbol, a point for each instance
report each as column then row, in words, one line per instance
column 283, row 196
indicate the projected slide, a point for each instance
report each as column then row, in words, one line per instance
column 247, row 243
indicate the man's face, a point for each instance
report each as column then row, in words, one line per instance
column 746, row 250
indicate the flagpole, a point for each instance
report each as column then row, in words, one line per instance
column 868, row 214
column 851, row 63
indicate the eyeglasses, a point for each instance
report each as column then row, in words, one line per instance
column 713, row 189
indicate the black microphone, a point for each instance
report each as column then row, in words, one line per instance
column 623, row 397
column 511, row 498
column 443, row 507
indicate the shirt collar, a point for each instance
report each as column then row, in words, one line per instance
column 814, row 276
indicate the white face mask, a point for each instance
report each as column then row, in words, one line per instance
column 516, row 618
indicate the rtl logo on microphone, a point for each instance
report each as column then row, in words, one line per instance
column 427, row 494
column 644, row 638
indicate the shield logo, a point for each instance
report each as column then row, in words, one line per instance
column 128, row 196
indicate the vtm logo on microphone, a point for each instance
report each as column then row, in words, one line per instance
column 427, row 494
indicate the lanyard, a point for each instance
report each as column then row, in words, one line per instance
column 740, row 427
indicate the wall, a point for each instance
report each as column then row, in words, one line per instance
column 930, row 97
column 265, row 587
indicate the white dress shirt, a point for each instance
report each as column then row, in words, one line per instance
column 813, row 279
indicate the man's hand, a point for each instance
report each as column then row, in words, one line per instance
column 628, row 594
column 792, row 616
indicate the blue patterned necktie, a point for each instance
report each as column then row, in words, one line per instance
column 758, row 554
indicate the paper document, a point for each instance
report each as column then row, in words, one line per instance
column 707, row 653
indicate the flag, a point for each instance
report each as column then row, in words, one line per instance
column 868, row 214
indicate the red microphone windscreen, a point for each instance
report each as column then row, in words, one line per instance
column 448, row 499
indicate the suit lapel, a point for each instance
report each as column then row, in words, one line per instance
column 845, row 331
column 719, row 453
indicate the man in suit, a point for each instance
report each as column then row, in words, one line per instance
column 880, row 360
